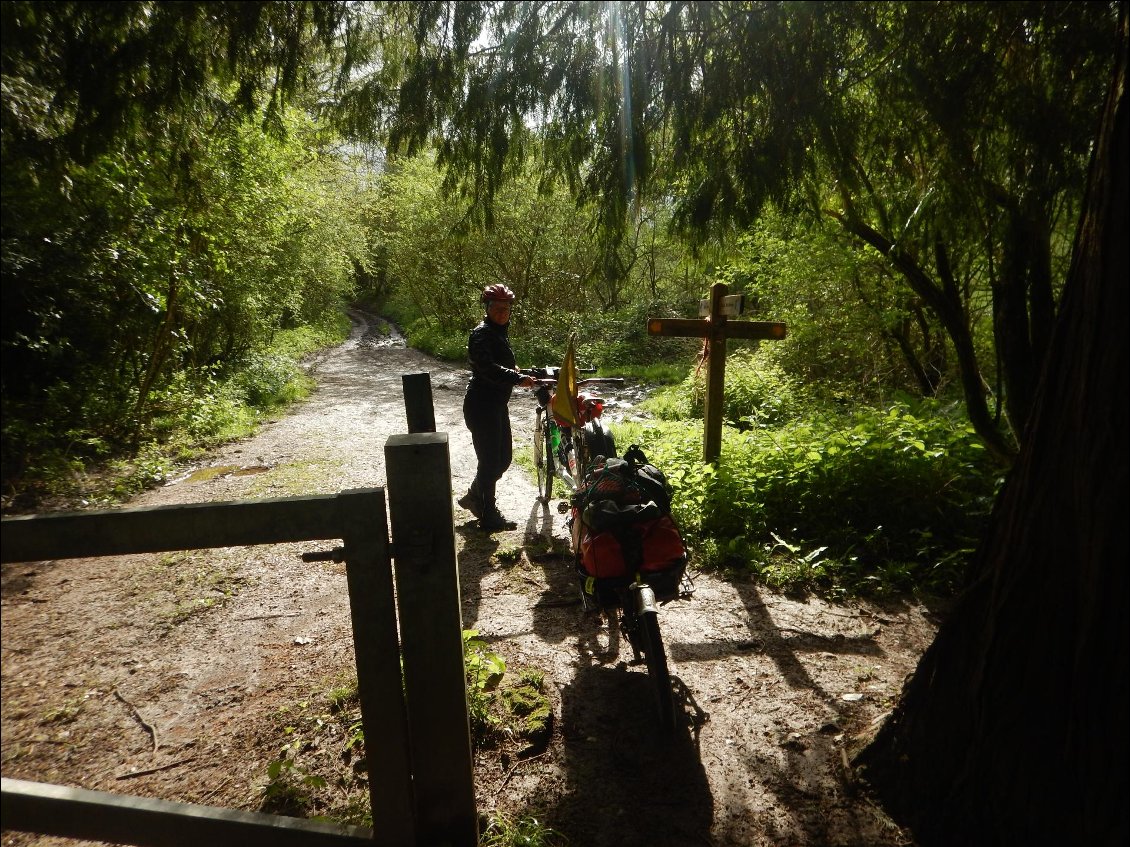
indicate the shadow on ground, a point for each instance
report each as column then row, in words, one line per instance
column 625, row 784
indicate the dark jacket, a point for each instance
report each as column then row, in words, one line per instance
column 493, row 367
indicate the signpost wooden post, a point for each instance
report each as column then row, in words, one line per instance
column 716, row 328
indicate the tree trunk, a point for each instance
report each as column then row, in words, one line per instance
column 945, row 302
column 1013, row 729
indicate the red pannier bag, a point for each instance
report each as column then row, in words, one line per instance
column 589, row 407
column 622, row 526
column 603, row 554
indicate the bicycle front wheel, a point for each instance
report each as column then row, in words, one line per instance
column 543, row 455
column 656, row 659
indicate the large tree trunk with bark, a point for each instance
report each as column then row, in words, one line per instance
column 1014, row 728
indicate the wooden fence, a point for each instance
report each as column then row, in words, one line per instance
column 417, row 732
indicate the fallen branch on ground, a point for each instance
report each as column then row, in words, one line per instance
column 164, row 767
column 152, row 730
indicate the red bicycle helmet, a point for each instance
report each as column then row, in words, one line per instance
column 497, row 293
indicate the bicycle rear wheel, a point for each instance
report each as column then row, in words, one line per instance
column 543, row 455
column 656, row 658
column 589, row 441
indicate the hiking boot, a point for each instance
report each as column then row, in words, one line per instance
column 493, row 521
column 472, row 503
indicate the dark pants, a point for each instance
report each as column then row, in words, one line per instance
column 494, row 446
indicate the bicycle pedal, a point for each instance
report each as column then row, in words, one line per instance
column 562, row 507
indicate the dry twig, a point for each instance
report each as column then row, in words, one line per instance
column 164, row 767
column 152, row 730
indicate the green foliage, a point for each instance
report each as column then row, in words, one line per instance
column 757, row 393
column 433, row 262
column 948, row 144
column 872, row 501
column 318, row 773
column 660, row 374
column 525, row 830
column 429, row 337
column 190, row 414
column 485, row 669
column 852, row 332
column 264, row 380
column 290, row 789
column 145, row 282
column 525, row 701
column 620, row 337
column 517, row 708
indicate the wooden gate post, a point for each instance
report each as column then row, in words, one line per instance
column 418, row 468
column 712, row 412
column 418, row 405
column 372, row 609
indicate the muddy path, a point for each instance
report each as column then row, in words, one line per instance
column 178, row 675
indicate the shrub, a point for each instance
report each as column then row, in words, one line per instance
column 758, row 392
column 874, row 501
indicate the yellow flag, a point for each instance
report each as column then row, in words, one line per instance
column 565, row 401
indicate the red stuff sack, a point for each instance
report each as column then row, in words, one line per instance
column 645, row 547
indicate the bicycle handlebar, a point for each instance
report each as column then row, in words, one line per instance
column 606, row 380
column 550, row 372
column 547, row 376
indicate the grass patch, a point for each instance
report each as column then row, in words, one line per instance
column 321, row 770
column 659, row 373
column 866, row 502
column 91, row 457
column 68, row 712
column 507, row 556
column 527, row 830
column 317, row 476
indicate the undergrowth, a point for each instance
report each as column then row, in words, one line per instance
column 103, row 464
column 866, row 502
column 321, row 769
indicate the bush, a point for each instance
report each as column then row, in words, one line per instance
column 264, row 380
column 427, row 336
column 871, row 502
column 758, row 393
column 608, row 340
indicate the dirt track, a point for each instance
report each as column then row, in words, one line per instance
column 118, row 666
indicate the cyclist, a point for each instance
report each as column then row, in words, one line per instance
column 486, row 405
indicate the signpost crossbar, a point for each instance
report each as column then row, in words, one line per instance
column 716, row 328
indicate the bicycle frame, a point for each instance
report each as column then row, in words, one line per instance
column 563, row 452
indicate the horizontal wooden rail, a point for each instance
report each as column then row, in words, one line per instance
column 357, row 517
column 155, row 529
column 147, row 822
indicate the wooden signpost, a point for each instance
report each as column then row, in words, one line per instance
column 716, row 328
